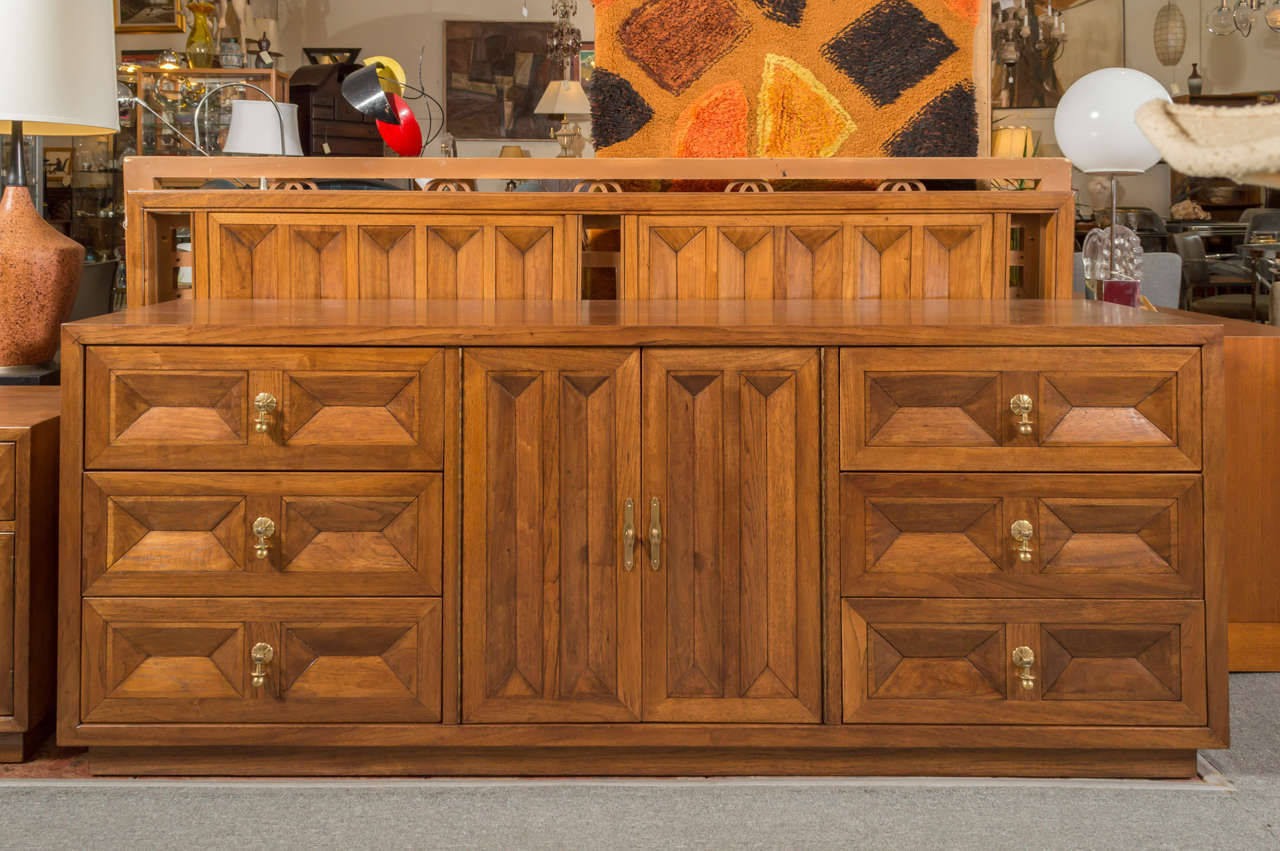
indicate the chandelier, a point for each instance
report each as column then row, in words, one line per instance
column 1020, row 29
column 1240, row 18
column 566, row 39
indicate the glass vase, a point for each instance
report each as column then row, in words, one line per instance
column 201, row 48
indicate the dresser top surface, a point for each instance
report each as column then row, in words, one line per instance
column 23, row 407
column 605, row 323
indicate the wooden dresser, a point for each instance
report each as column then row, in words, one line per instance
column 28, row 566
column 706, row 537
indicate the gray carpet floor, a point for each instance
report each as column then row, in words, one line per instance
column 1241, row 811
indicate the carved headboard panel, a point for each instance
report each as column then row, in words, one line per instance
column 633, row 230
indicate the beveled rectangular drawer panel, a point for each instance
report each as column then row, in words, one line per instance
column 1122, row 408
column 1087, row 535
column 331, row 660
column 8, row 480
column 178, row 407
column 919, row 661
column 193, row 534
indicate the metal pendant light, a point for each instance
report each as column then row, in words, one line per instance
column 1170, row 34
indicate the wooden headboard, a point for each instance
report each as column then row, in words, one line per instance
column 635, row 229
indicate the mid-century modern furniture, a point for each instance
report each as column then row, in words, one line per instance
column 28, row 565
column 329, row 126
column 458, row 520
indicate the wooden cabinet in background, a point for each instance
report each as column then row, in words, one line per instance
column 28, row 565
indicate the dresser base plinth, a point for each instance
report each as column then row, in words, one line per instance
column 611, row 762
column 19, row 747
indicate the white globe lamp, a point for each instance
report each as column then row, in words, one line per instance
column 1094, row 122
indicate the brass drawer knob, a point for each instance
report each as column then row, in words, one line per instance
column 261, row 656
column 1021, row 407
column 263, row 529
column 1022, row 531
column 264, row 404
column 1023, row 659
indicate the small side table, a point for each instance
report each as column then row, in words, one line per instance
column 28, row 566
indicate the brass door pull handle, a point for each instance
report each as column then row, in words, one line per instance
column 1023, row 659
column 261, row 656
column 1022, row 532
column 264, row 403
column 655, row 533
column 1021, row 407
column 263, row 529
column 629, row 534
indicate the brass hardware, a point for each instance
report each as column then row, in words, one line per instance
column 1022, row 532
column 1023, row 659
column 261, row 655
column 1021, row 407
column 655, row 533
column 265, row 403
column 629, row 534
column 263, row 529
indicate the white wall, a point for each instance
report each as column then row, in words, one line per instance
column 1228, row 63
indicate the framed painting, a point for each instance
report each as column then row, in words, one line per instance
column 58, row 166
column 495, row 72
column 150, row 16
column 586, row 62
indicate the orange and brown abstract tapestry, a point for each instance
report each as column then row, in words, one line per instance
column 784, row 78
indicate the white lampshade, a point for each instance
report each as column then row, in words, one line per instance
column 1094, row 122
column 255, row 129
column 58, row 67
column 563, row 97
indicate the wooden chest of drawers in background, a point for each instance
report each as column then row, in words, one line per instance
column 28, row 565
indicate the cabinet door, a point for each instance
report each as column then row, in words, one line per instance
column 1088, row 535
column 333, row 660
column 1122, row 408
column 7, row 649
column 731, row 607
column 551, row 614
column 915, row 661
column 192, row 534
column 179, row 407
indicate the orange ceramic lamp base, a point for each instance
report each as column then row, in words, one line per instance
column 39, row 275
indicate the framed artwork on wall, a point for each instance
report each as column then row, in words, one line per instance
column 494, row 74
column 586, row 62
column 150, row 16
column 58, row 166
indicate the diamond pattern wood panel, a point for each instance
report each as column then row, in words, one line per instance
column 188, row 660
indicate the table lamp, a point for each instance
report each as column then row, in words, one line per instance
column 564, row 98
column 59, row 73
column 263, row 128
column 1095, row 128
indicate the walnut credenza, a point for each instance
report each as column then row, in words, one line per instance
column 28, row 560
column 388, row 537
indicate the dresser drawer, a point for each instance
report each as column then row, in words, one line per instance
column 918, row 661
column 1085, row 535
column 1123, row 408
column 264, row 408
column 191, row 660
column 8, row 480
column 176, row 534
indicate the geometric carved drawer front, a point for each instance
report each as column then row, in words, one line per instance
column 334, row 660
column 176, row 407
column 1091, row 535
column 1089, row 408
column 170, row 534
column 917, row 661
column 8, row 479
